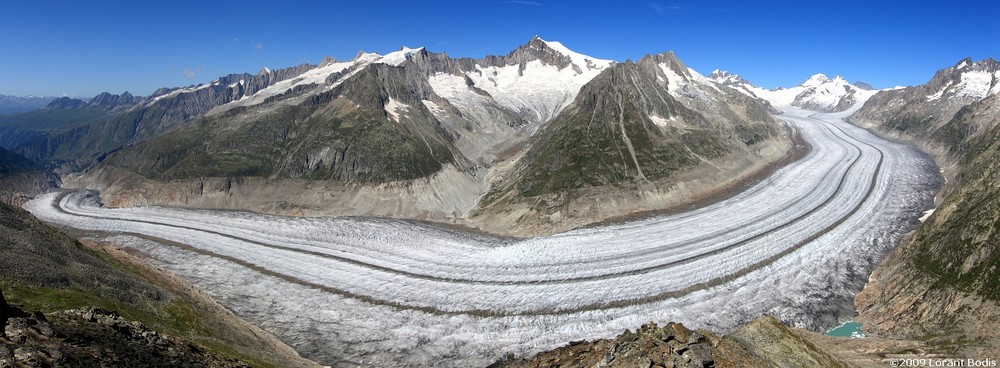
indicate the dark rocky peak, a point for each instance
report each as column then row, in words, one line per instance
column 109, row 101
column 63, row 103
column 947, row 77
column 963, row 64
column 376, row 83
column 328, row 60
column 727, row 78
column 432, row 62
column 633, row 84
column 670, row 60
column 537, row 49
column 864, row 86
column 161, row 91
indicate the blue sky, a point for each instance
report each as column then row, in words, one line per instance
column 82, row 48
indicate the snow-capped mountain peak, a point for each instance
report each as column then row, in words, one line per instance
column 578, row 59
column 726, row 78
column 533, row 83
column 964, row 63
column 818, row 92
column 815, row 80
column 398, row 57
column 366, row 57
column 967, row 80
column 556, row 54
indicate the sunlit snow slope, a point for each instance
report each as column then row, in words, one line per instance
column 350, row 291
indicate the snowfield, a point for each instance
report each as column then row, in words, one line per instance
column 381, row 292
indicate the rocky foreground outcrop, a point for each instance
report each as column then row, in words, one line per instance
column 763, row 342
column 93, row 337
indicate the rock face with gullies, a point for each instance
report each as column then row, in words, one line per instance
column 372, row 128
column 764, row 342
column 77, row 133
column 941, row 285
column 22, row 179
column 92, row 337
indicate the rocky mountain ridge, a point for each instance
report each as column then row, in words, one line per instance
column 941, row 283
column 931, row 113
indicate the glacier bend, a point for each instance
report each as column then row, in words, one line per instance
column 352, row 291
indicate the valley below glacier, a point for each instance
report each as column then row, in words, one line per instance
column 382, row 292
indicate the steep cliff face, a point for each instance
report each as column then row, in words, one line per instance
column 942, row 283
column 370, row 129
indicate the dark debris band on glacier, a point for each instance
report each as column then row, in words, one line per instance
column 344, row 291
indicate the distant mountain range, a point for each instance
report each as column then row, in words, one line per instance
column 14, row 104
column 818, row 93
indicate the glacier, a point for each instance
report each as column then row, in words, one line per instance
column 384, row 292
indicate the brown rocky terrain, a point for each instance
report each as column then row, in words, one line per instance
column 763, row 342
